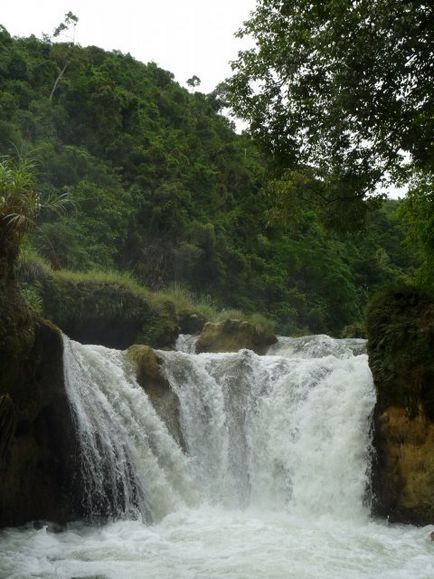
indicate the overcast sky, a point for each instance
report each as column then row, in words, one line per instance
column 187, row 37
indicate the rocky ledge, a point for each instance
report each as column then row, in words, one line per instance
column 234, row 335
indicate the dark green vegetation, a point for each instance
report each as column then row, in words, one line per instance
column 161, row 187
column 400, row 323
column 344, row 87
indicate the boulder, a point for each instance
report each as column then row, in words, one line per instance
column 234, row 335
column 151, row 379
column 400, row 327
column 191, row 322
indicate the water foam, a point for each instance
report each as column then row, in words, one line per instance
column 273, row 486
column 131, row 466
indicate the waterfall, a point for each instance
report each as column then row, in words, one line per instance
column 131, row 466
column 286, row 431
column 186, row 343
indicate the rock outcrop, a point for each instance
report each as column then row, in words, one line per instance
column 109, row 310
column 37, row 442
column 163, row 398
column 234, row 335
column 401, row 355
column 191, row 323
column 95, row 312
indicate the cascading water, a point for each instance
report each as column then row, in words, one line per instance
column 272, row 485
column 131, row 466
column 282, row 432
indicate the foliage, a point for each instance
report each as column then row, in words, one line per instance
column 20, row 204
column 164, row 188
column 417, row 212
column 345, row 87
column 400, row 324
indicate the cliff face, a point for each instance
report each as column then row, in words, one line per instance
column 37, row 446
column 37, row 456
column 401, row 353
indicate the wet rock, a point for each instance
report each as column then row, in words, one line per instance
column 7, row 425
column 38, row 466
column 234, row 335
column 163, row 398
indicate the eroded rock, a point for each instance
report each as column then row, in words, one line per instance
column 157, row 387
column 234, row 335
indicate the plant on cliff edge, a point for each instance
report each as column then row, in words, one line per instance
column 20, row 202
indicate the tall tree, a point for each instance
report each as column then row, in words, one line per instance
column 68, row 24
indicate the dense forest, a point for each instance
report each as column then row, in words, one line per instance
column 153, row 180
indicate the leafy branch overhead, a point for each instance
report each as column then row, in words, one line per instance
column 70, row 20
column 346, row 87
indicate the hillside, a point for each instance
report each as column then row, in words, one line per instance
column 163, row 188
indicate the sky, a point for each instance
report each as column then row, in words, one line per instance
column 187, row 37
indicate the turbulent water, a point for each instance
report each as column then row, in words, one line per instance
column 274, row 482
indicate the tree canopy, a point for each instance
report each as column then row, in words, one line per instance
column 163, row 187
column 344, row 86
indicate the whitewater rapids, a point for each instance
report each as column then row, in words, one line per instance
column 275, row 483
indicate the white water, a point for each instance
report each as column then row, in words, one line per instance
column 186, row 343
column 274, row 485
column 131, row 466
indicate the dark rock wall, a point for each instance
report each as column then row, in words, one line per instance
column 37, row 443
column 401, row 355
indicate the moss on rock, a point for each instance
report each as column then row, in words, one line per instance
column 234, row 335
column 400, row 325
column 163, row 398
column 95, row 312
column 108, row 308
